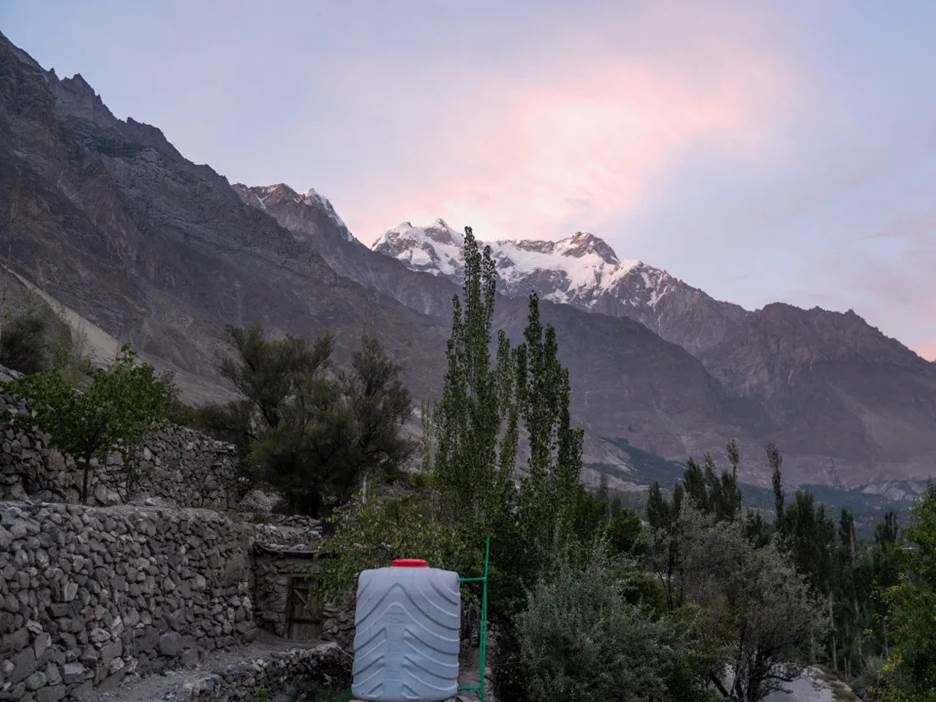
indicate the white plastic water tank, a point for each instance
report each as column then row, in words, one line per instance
column 406, row 638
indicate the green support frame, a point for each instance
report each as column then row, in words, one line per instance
column 482, row 648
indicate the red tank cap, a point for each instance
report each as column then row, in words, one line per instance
column 410, row 563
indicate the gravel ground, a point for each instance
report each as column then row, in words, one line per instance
column 814, row 685
column 162, row 686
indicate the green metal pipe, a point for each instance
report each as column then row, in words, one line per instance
column 482, row 652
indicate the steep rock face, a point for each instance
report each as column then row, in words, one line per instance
column 855, row 405
column 108, row 218
column 312, row 220
column 627, row 381
column 860, row 406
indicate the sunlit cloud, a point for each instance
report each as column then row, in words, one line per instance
column 585, row 147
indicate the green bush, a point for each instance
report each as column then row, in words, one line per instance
column 372, row 534
column 580, row 638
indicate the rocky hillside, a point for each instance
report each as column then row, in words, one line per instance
column 108, row 220
column 829, row 383
column 111, row 221
column 113, row 224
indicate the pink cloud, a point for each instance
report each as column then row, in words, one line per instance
column 578, row 143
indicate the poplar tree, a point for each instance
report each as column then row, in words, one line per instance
column 476, row 418
column 550, row 491
column 775, row 460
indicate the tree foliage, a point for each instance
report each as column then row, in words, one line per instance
column 476, row 419
column 551, row 489
column 269, row 372
column 23, row 344
column 113, row 410
column 581, row 639
column 492, row 409
column 911, row 667
column 768, row 611
column 35, row 340
column 371, row 533
column 313, row 431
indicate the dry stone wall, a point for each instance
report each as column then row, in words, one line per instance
column 88, row 595
column 24, row 455
column 177, row 464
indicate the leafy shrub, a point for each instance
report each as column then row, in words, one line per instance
column 372, row 534
column 580, row 638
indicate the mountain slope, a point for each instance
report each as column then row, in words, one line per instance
column 853, row 403
column 107, row 218
column 112, row 221
column 825, row 438
column 311, row 221
column 627, row 381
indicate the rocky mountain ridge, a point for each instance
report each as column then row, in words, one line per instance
column 803, row 376
column 106, row 217
column 581, row 270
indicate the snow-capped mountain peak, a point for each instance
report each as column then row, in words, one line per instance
column 435, row 249
column 582, row 244
column 581, row 269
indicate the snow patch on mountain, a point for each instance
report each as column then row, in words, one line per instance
column 436, row 249
column 578, row 269
column 586, row 262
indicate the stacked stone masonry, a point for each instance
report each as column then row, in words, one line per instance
column 176, row 464
column 276, row 574
column 89, row 595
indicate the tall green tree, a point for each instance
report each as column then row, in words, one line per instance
column 911, row 667
column 550, row 490
column 476, row 419
column 666, row 537
column 713, row 493
column 809, row 535
column 267, row 372
column 335, row 429
column 775, row 461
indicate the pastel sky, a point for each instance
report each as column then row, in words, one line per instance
column 762, row 151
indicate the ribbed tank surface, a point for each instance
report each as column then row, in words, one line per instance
column 406, row 637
